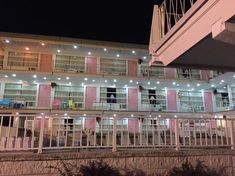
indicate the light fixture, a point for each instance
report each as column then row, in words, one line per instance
column 175, row 116
column 159, row 116
column 58, row 51
column 148, row 83
column 188, row 85
column 27, row 48
column 85, row 79
column 222, row 80
column 93, row 80
column 14, row 75
column 67, row 78
column 59, row 79
column 198, row 84
column 118, row 55
column 7, row 41
column 43, row 44
column 65, row 114
column 132, row 115
column 34, row 76
column 133, row 52
column 6, row 76
column 89, row 53
column 131, row 81
column 105, row 49
column 75, row 46
column 114, row 80
column 212, row 85
column 34, row 81
column 158, row 82
column 234, row 76
column 174, row 83
column 144, row 57
column 137, row 82
column 84, row 115
column 17, row 113
column 105, row 81
column 44, row 78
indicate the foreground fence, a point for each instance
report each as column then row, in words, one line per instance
column 30, row 132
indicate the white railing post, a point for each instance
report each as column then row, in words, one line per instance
column 177, row 143
column 40, row 144
column 114, row 149
column 232, row 134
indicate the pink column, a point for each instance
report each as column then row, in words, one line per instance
column 171, row 100
column 133, row 125
column 170, row 72
column 205, row 75
column 132, row 68
column 46, row 62
column 44, row 96
column 90, row 123
column 133, row 99
column 91, row 65
column 208, row 101
column 90, row 97
column 37, row 122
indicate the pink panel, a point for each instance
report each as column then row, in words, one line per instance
column 133, row 99
column 90, row 123
column 90, row 97
column 132, row 68
column 171, row 100
column 208, row 101
column 91, row 65
column 170, row 72
column 133, row 125
column 37, row 122
column 44, row 96
column 205, row 75
column 46, row 62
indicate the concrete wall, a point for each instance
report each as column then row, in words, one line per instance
column 148, row 160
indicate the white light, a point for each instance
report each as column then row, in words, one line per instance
column 175, row 116
column 58, row 51
column 114, row 115
column 220, row 83
column 148, row 83
column 144, row 57
column 75, row 46
column 188, row 85
column 132, row 115
column 17, row 113
column 42, row 113
column 105, row 81
column 34, row 76
column 82, row 84
column 159, row 116
column 67, row 78
column 234, row 76
column 174, row 83
column 65, row 114
column 7, row 41
column 118, row 55
column 85, row 79
column 84, row 115
column 27, row 48
column 45, row 78
column 131, row 81
column 6, row 76
column 34, row 81
column 150, row 115
column 137, row 82
column 114, row 80
column 178, row 85
column 224, row 87
column 70, row 83
column 14, row 75
column 198, row 84
column 158, row 82
column 43, row 44
column 222, row 80
column 93, row 80
column 89, row 53
column 192, row 89
column 59, row 79
column 212, row 85
column 105, row 49
column 133, row 52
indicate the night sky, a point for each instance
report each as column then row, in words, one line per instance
column 119, row 21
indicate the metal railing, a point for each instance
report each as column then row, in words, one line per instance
column 38, row 132
column 171, row 11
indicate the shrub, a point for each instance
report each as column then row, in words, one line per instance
column 200, row 169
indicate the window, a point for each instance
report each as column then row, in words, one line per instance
column 6, row 121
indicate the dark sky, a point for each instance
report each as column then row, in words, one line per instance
column 119, row 21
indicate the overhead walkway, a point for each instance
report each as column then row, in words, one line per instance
column 194, row 33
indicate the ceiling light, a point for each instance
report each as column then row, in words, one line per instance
column 93, row 80
column 148, row 83
column 158, row 82
column 58, row 51
column 105, row 81
column 131, row 81
column 159, row 116
column 178, row 85
column 118, row 55
column 137, row 82
column 198, row 84
column 65, row 114
column 132, row 115
column 105, row 49
column 67, row 78
column 75, row 46
column 6, row 76
column 175, row 116
column 59, row 79
column 212, row 85
column 114, row 80
column 17, row 113
column 234, row 76
column 174, row 83
column 89, row 53
column 7, row 41
column 34, row 76
column 14, row 75
column 144, row 57
column 188, row 85
column 84, row 114
column 222, row 80
column 27, row 48
column 43, row 44
column 133, row 52
column 85, row 79
column 45, row 78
